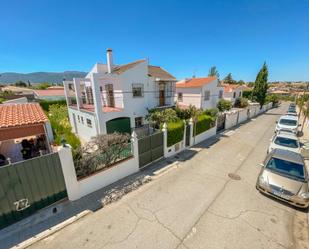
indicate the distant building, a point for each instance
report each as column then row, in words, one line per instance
column 203, row 93
column 233, row 91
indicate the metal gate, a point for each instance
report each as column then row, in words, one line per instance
column 221, row 122
column 150, row 148
column 188, row 135
column 28, row 186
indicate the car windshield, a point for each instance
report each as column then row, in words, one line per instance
column 286, row 168
column 287, row 142
column 288, row 122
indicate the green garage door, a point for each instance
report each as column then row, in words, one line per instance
column 121, row 125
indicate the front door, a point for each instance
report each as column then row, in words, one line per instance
column 110, row 95
column 162, row 98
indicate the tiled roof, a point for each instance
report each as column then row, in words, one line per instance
column 159, row 73
column 228, row 88
column 195, row 82
column 122, row 68
column 12, row 115
column 50, row 92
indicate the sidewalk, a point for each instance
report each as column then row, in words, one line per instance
column 51, row 219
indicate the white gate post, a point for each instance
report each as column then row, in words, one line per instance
column 134, row 142
column 191, row 131
column 164, row 130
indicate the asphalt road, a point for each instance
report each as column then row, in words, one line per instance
column 197, row 204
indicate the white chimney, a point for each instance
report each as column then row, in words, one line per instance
column 109, row 54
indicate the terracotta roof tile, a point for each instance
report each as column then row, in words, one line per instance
column 12, row 115
column 228, row 88
column 50, row 92
column 195, row 82
column 160, row 73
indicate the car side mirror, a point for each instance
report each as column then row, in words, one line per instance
column 299, row 125
column 276, row 122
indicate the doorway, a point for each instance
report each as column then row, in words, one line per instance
column 110, row 95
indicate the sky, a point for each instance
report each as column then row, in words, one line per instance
column 184, row 37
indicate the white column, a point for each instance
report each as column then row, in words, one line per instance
column 69, row 173
column 164, row 129
column 191, row 131
column 98, row 106
column 134, row 142
column 76, row 83
column 66, row 92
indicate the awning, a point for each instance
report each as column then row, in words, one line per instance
column 21, row 131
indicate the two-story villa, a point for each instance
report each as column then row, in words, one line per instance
column 117, row 97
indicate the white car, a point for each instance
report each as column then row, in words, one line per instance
column 291, row 114
column 287, row 123
column 285, row 141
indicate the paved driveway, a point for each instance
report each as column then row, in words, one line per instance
column 197, row 204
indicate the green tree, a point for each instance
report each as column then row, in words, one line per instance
column 162, row 116
column 43, row 86
column 213, row 72
column 260, row 86
column 229, row 79
column 20, row 84
column 224, row 105
column 241, row 82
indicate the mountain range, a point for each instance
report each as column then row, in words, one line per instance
column 39, row 77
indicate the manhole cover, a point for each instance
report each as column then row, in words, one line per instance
column 234, row 176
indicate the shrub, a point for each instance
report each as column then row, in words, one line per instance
column 224, row 105
column 46, row 103
column 175, row 132
column 187, row 113
column 159, row 116
column 203, row 123
column 241, row 103
column 272, row 98
column 213, row 112
column 58, row 116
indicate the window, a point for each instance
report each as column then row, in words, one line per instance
column 82, row 120
column 206, row 95
column 179, row 97
column 240, row 94
column 138, row 122
column 89, row 123
column 137, row 90
column 234, row 95
column 220, row 94
column 78, row 117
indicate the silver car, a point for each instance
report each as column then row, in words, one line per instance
column 285, row 140
column 284, row 176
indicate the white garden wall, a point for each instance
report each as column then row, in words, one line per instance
column 231, row 119
column 79, row 188
column 242, row 115
column 205, row 135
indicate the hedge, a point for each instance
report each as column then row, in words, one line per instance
column 46, row 103
column 175, row 132
column 204, row 123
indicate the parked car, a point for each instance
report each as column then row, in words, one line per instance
column 286, row 141
column 287, row 122
column 284, row 176
column 291, row 113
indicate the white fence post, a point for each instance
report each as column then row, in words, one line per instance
column 68, row 169
column 164, row 130
column 191, row 131
column 134, row 142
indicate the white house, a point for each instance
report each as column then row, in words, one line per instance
column 117, row 97
column 233, row 91
column 202, row 93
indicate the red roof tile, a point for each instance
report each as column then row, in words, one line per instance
column 228, row 88
column 195, row 82
column 13, row 115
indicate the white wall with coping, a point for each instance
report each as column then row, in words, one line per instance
column 243, row 115
column 79, row 188
column 21, row 100
column 206, row 135
column 231, row 119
